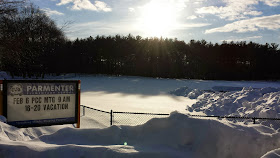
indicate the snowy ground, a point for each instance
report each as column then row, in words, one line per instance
column 136, row 94
column 140, row 94
column 174, row 136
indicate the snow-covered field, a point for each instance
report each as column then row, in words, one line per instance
column 140, row 94
column 175, row 136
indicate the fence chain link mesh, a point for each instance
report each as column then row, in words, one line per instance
column 273, row 123
column 134, row 119
column 95, row 118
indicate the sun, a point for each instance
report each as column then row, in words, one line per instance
column 158, row 18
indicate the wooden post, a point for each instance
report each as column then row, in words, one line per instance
column 79, row 103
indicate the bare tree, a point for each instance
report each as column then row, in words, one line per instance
column 10, row 6
column 25, row 36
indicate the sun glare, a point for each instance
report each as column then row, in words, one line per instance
column 158, row 18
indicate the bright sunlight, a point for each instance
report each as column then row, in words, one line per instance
column 158, row 18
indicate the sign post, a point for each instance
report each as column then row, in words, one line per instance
column 29, row 103
column 79, row 103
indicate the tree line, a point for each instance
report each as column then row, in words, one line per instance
column 30, row 42
column 169, row 58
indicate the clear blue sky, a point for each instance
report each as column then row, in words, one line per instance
column 212, row 20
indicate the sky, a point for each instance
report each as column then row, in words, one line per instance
column 212, row 20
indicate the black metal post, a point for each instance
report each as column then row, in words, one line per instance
column 84, row 111
column 254, row 119
column 111, row 120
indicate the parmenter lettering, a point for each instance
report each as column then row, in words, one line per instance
column 50, row 88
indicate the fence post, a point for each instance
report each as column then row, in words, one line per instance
column 84, row 111
column 111, row 120
column 254, row 120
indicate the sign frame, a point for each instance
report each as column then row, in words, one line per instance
column 59, row 121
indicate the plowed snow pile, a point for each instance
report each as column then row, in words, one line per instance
column 248, row 102
column 175, row 136
column 237, row 101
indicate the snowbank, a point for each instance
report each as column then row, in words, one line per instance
column 249, row 102
column 175, row 136
column 187, row 92
column 230, row 101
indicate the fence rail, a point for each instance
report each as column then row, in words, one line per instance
column 139, row 113
column 238, row 117
column 105, row 118
column 92, row 109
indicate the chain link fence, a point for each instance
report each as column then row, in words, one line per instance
column 273, row 123
column 95, row 118
column 133, row 119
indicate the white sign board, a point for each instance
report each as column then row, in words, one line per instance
column 36, row 103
